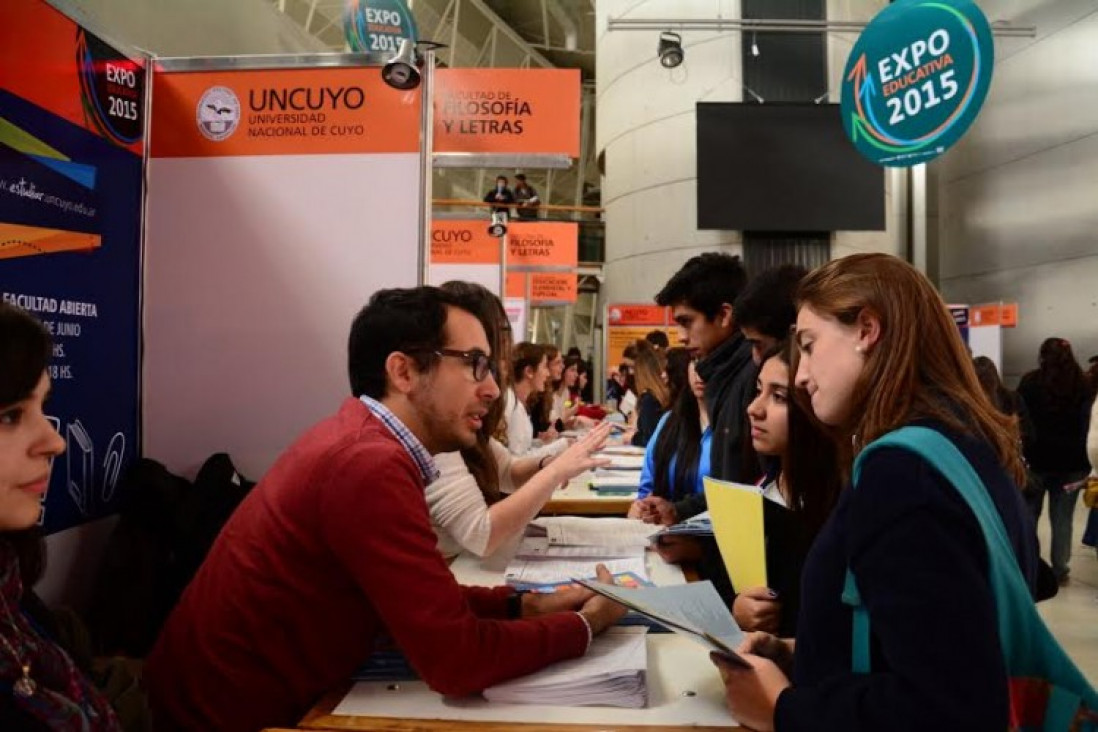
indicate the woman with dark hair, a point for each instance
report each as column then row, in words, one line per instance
column 1058, row 398
column 801, row 489
column 653, row 396
column 541, row 404
column 40, row 686
column 677, row 369
column 484, row 495
column 677, row 456
column 879, row 352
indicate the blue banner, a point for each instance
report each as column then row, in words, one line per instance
column 70, row 253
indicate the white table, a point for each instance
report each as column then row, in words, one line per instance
column 684, row 687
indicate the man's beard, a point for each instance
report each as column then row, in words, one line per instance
column 443, row 433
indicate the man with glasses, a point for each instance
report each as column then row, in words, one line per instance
column 334, row 548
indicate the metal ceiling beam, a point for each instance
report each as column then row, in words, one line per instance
column 777, row 25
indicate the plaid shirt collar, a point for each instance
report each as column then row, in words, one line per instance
column 410, row 442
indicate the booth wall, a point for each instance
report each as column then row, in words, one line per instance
column 1018, row 193
column 255, row 268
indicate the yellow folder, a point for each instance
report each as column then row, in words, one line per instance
column 737, row 515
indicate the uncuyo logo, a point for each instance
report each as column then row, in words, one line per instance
column 218, row 113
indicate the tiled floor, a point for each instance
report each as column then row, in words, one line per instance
column 1073, row 614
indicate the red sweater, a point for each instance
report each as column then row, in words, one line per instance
column 333, row 547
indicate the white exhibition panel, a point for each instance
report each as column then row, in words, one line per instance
column 486, row 275
column 255, row 267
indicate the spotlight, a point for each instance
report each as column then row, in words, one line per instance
column 670, row 49
column 401, row 72
column 754, row 46
column 498, row 227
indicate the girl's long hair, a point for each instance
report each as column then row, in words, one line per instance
column 479, row 458
column 648, row 366
column 679, row 440
column 1060, row 382
column 920, row 368
column 812, row 462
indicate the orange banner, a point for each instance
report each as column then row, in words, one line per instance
column 552, row 287
column 618, row 338
column 542, row 244
column 51, row 62
column 516, row 285
column 1009, row 315
column 463, row 242
column 281, row 112
column 27, row 241
column 624, row 314
column 984, row 315
column 535, row 111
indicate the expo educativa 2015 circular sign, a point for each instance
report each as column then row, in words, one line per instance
column 377, row 26
column 916, row 80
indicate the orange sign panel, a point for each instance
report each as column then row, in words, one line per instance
column 516, row 284
column 624, row 314
column 463, row 242
column 543, row 245
column 552, row 287
column 507, row 111
column 281, row 112
column 984, row 315
column 1008, row 315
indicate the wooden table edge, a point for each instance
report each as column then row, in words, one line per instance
column 321, row 718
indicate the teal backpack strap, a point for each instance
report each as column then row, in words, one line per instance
column 1029, row 648
column 860, row 637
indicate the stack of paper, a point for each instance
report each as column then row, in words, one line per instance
column 564, row 548
column 700, row 525
column 613, row 673
column 615, row 482
column 621, row 462
column 694, row 610
column 581, row 531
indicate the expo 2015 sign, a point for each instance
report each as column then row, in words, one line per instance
column 377, row 26
column 916, row 80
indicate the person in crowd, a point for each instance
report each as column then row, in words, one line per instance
column 1012, row 405
column 42, row 688
column 677, row 457
column 501, row 195
column 654, row 396
column 765, row 311
column 568, row 397
column 800, row 491
column 701, row 296
column 530, row 372
column 618, row 383
column 484, row 496
column 878, row 351
column 1058, row 399
column 1090, row 535
column 526, row 199
column 334, row 546
column 677, row 368
column 1092, row 372
column 547, row 420
column 658, row 339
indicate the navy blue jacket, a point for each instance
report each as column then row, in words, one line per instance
column 921, row 564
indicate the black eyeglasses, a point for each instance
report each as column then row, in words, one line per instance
column 481, row 364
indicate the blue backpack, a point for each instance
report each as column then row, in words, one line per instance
column 1047, row 690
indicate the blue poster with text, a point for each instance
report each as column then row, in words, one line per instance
column 70, row 254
